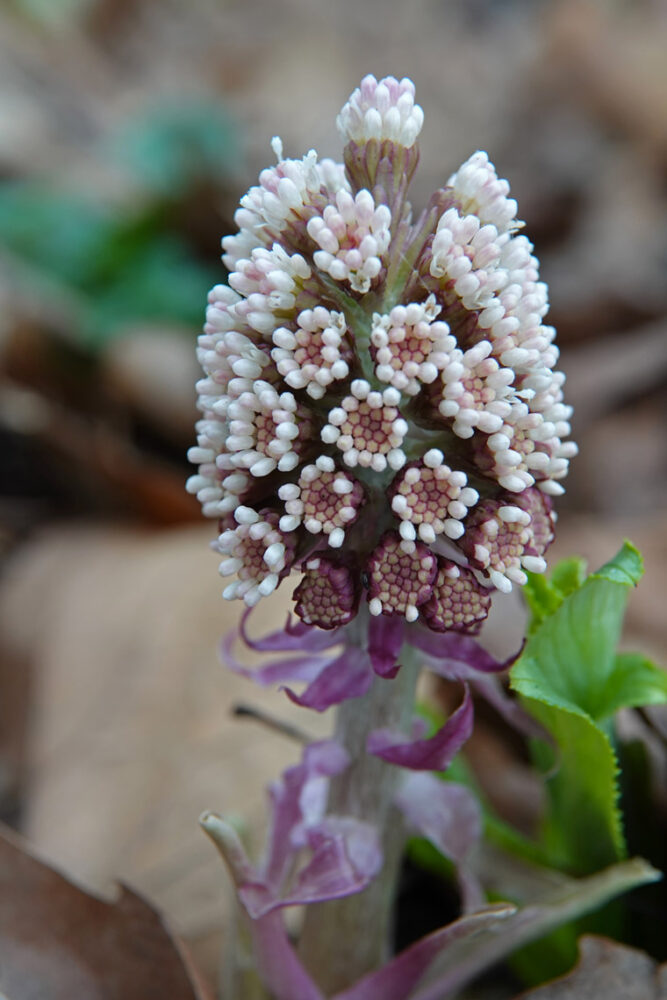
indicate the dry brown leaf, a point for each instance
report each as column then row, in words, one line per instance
column 131, row 730
column 57, row 942
column 151, row 372
column 607, row 970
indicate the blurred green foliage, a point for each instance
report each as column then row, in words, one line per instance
column 116, row 266
column 174, row 146
column 51, row 13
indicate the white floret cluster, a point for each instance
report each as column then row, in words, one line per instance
column 353, row 235
column 383, row 111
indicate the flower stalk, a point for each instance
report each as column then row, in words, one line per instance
column 344, row 939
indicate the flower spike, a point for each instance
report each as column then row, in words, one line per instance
column 380, row 407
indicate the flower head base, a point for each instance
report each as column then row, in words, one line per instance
column 380, row 408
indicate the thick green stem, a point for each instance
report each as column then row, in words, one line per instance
column 344, row 939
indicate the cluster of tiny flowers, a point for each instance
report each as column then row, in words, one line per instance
column 380, row 409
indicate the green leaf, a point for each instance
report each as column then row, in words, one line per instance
column 568, row 575
column 569, row 659
column 572, row 681
column 582, row 829
column 634, row 681
column 545, row 595
column 626, row 567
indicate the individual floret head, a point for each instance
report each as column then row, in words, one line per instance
column 256, row 552
column 380, row 406
column 458, row 601
column 328, row 594
column 400, row 577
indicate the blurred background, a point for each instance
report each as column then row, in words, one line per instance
column 128, row 131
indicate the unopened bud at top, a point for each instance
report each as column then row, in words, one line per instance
column 384, row 110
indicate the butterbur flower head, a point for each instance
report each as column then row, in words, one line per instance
column 380, row 409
